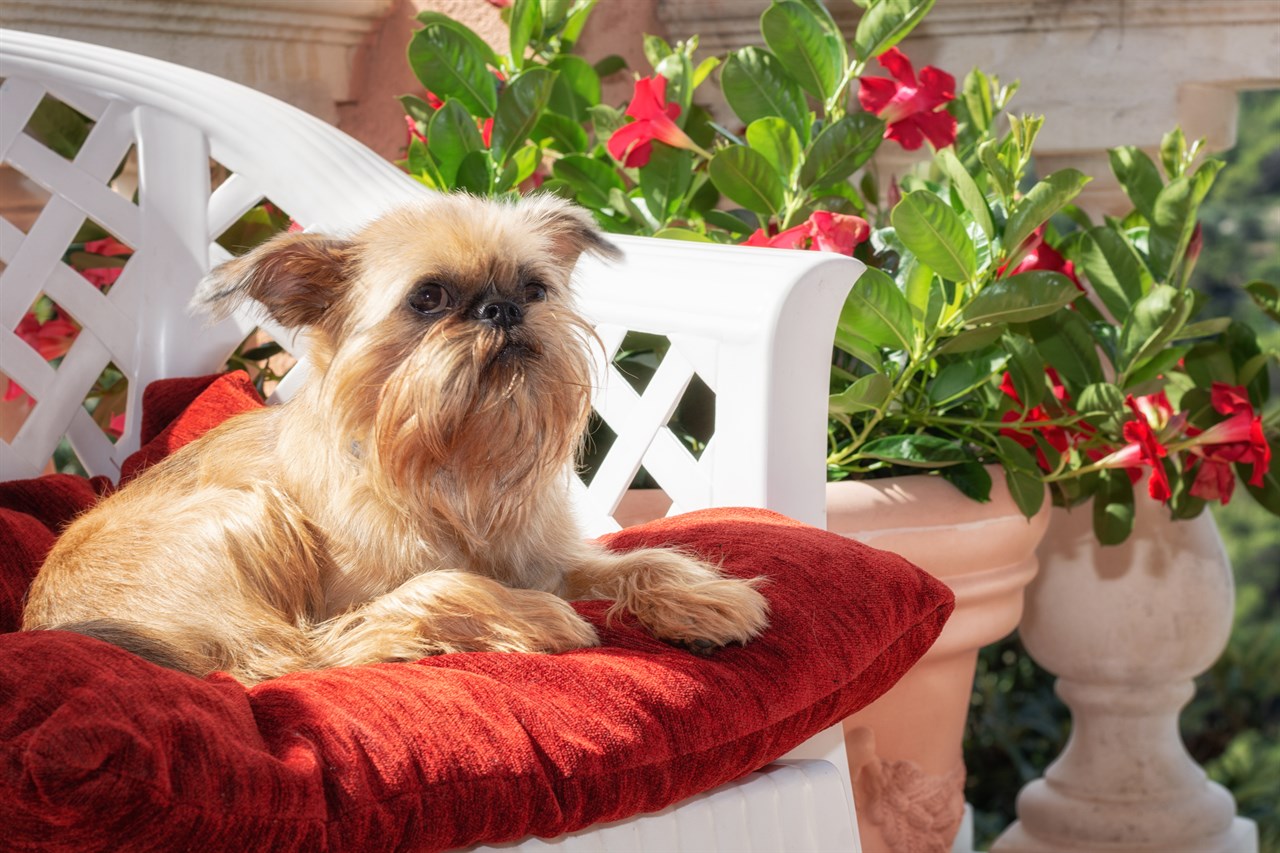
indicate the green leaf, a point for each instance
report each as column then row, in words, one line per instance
column 1021, row 475
column 656, row 49
column 452, row 135
column 869, row 393
column 519, row 107
column 591, row 180
column 563, row 134
column 577, row 88
column 989, row 155
column 1041, row 201
column 971, row 478
column 417, row 109
column 1066, row 343
column 422, row 165
column 746, row 177
column 472, row 38
column 728, row 222
column 526, row 160
column 475, row 173
column 525, row 23
column 678, row 71
column 915, row 451
column 449, row 65
column 1266, row 296
column 1268, row 494
column 1173, row 148
column 1026, row 369
column 1115, row 270
column 704, row 69
column 683, row 234
column 1113, row 507
column 777, row 142
column 665, row 180
column 960, row 378
column 611, row 64
column 810, row 52
column 878, row 312
column 1021, row 298
column 848, row 341
column 885, row 23
column 1102, row 404
column 971, row 340
column 970, row 196
column 935, row 234
column 605, row 120
column 757, row 86
column 1138, row 176
column 841, row 148
column 1151, row 323
column 1173, row 219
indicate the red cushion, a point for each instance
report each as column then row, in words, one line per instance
column 100, row 750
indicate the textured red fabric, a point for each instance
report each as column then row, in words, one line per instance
column 178, row 411
column 100, row 750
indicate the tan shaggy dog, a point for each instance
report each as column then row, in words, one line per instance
column 411, row 499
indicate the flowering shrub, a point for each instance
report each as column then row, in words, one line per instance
column 996, row 321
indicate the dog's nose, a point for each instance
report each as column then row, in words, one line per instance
column 501, row 313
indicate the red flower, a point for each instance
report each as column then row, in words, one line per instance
column 500, row 4
column 51, row 338
column 823, row 231
column 414, row 133
column 101, row 277
column 108, row 247
column 1238, row 439
column 1058, row 436
column 912, row 109
column 632, row 143
column 1042, row 256
column 486, row 132
column 1153, row 418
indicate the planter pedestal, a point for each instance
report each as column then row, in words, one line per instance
column 905, row 749
column 1126, row 629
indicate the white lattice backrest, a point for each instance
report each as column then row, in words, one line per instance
column 753, row 326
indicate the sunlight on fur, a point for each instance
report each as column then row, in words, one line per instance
column 412, row 498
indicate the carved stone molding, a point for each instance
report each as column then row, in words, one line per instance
column 302, row 51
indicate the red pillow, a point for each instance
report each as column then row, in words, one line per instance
column 100, row 750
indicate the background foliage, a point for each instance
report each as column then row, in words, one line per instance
column 1232, row 726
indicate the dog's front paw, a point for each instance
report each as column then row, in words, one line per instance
column 542, row 622
column 689, row 603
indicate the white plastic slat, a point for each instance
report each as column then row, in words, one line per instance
column 60, row 403
column 636, row 419
column 81, row 100
column 11, row 239
column 98, row 201
column 18, row 100
column 91, row 445
column 778, row 809
column 95, row 312
column 24, row 365
column 229, row 202
column 34, row 260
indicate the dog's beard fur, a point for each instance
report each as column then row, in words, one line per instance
column 412, row 498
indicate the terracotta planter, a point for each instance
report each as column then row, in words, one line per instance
column 1126, row 629
column 905, row 748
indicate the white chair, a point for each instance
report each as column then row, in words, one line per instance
column 755, row 324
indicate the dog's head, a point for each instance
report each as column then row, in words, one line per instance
column 443, row 335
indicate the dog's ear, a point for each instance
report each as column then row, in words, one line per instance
column 295, row 277
column 570, row 228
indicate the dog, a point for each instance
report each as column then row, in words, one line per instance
column 412, row 498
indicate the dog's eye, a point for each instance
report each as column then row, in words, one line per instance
column 429, row 298
column 535, row 291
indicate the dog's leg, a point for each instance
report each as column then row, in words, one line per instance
column 446, row 611
column 679, row 598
